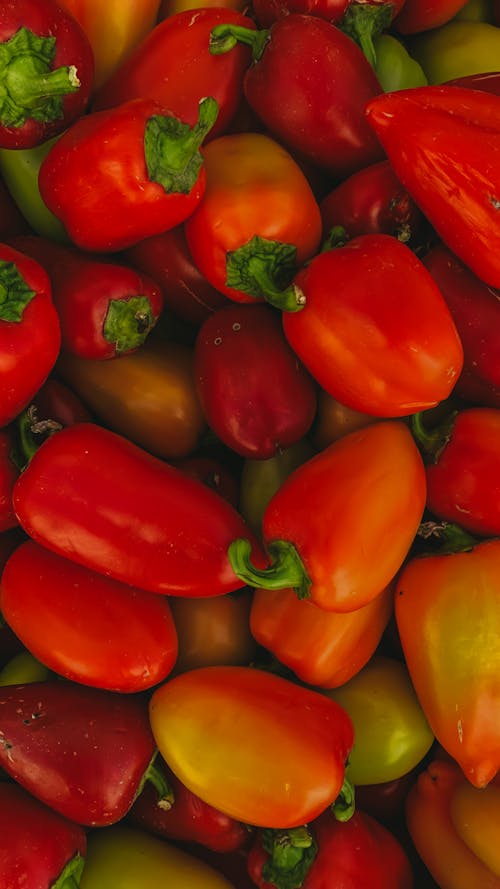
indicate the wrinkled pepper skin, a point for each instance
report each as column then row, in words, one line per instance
column 46, row 71
column 173, row 65
column 82, row 751
column 105, row 308
column 276, row 751
column 30, row 331
column 38, row 845
column 309, row 87
column 456, row 859
column 356, row 854
column 85, row 626
column 443, row 143
column 127, row 514
column 453, row 599
column 117, row 176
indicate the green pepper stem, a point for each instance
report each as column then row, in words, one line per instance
column 70, row 876
column 453, row 538
column 291, row 853
column 336, row 237
column 363, row 22
column 27, row 91
column 344, row 806
column 223, row 38
column 432, row 441
column 287, row 570
column 155, row 777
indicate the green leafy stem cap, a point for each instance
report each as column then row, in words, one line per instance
column 362, row 22
column 28, row 86
column 291, row 853
column 286, row 571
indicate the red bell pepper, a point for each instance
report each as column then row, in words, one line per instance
column 30, row 333
column 173, row 65
column 441, row 142
column 463, row 468
column 371, row 201
column 374, row 480
column 423, row 15
column 258, row 221
column 118, row 176
column 189, row 819
column 256, row 396
column 105, row 309
column 83, row 752
column 475, row 308
column 40, row 848
column 381, row 343
column 46, row 71
column 84, row 626
column 454, row 600
column 93, row 496
column 167, row 260
column 356, row 854
column 309, row 83
column 456, row 858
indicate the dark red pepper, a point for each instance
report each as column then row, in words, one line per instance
column 356, row 854
column 189, row 819
column 30, row 332
column 40, row 848
column 105, row 308
column 46, row 71
column 82, row 751
column 257, row 397
column 93, row 496
column 423, row 15
column 8, row 475
column 118, row 176
column 173, row 66
column 309, row 83
column 56, row 401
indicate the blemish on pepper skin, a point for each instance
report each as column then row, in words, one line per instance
column 494, row 201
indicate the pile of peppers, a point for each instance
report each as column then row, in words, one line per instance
column 249, row 444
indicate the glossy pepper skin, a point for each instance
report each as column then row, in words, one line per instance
column 475, row 310
column 277, row 750
column 453, row 827
column 342, row 565
column 258, row 220
column 463, row 468
column 453, row 599
column 121, row 175
column 255, row 395
column 443, row 143
column 374, row 329
column 46, row 72
column 127, row 514
column 308, row 84
column 356, row 854
column 113, row 29
column 173, row 65
column 84, row 626
column 45, row 723
column 189, row 819
column 105, row 309
column 30, row 331
column 423, row 15
column 40, row 848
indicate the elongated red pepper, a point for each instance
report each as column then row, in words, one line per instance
column 118, row 176
column 442, row 142
column 309, row 83
column 127, row 514
column 30, row 332
column 46, row 71
column 84, row 752
column 40, row 848
column 423, row 15
column 173, row 65
column 189, row 819
column 105, row 308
